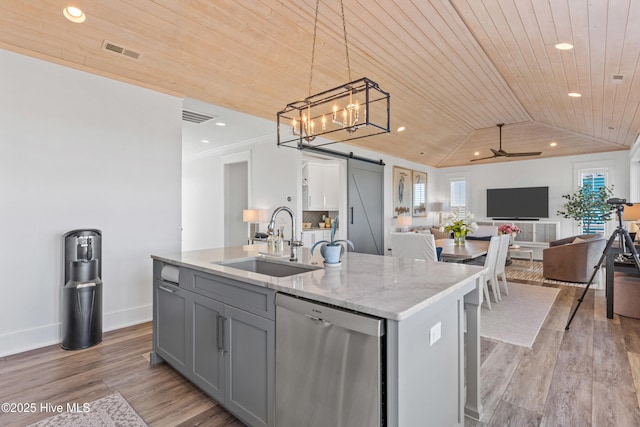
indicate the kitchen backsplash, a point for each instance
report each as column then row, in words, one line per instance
column 314, row 217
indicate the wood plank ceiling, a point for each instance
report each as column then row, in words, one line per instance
column 454, row 68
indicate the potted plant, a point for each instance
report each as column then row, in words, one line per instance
column 332, row 250
column 587, row 206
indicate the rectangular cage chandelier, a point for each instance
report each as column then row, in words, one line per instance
column 355, row 110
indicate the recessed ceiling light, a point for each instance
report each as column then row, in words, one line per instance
column 220, row 124
column 205, row 141
column 575, row 94
column 564, row 46
column 74, row 14
column 401, row 128
column 477, row 153
column 553, row 144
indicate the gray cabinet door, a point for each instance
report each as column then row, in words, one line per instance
column 170, row 324
column 250, row 366
column 208, row 341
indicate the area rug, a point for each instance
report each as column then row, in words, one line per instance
column 520, row 270
column 110, row 411
column 518, row 317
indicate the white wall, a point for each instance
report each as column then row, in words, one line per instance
column 81, row 151
column 274, row 174
column 559, row 174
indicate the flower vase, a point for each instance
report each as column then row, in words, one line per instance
column 512, row 236
column 459, row 237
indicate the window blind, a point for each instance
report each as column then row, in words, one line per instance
column 458, row 196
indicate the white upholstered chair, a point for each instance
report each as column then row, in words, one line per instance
column 413, row 245
column 501, row 260
column 490, row 275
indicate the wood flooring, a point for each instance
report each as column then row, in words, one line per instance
column 587, row 376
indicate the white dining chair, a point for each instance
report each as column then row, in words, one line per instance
column 490, row 276
column 501, row 260
column 413, row 245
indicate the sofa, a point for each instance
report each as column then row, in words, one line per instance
column 572, row 259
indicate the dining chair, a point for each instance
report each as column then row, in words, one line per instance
column 490, row 276
column 501, row 261
column 413, row 245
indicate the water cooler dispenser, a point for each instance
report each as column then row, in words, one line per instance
column 82, row 290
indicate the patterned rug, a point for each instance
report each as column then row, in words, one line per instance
column 109, row 411
column 520, row 270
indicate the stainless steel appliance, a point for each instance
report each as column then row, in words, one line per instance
column 329, row 366
column 82, row 290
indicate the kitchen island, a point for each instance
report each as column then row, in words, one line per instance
column 199, row 296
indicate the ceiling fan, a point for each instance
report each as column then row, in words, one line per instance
column 501, row 153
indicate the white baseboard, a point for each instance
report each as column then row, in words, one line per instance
column 30, row 339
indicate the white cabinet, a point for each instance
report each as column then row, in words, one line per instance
column 531, row 232
column 322, row 186
column 331, row 187
column 309, row 237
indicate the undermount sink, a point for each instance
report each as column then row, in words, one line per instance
column 267, row 267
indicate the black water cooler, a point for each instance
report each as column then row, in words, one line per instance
column 82, row 290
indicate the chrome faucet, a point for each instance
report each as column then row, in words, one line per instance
column 294, row 243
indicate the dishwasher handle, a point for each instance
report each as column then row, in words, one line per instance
column 318, row 320
column 358, row 322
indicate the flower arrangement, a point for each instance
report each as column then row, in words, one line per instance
column 459, row 226
column 509, row 229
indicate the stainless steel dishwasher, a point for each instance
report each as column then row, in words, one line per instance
column 329, row 366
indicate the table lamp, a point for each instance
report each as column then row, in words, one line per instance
column 254, row 217
column 404, row 221
column 632, row 215
column 439, row 207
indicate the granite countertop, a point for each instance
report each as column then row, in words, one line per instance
column 383, row 286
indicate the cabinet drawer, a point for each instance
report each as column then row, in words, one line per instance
column 254, row 299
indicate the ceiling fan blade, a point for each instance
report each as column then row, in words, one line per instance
column 498, row 153
column 537, row 153
column 483, row 158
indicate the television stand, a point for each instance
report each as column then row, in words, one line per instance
column 533, row 232
column 515, row 219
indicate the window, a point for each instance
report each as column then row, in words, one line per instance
column 458, row 196
column 594, row 179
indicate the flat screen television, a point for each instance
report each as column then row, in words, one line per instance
column 518, row 203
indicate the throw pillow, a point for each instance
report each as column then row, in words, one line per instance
column 437, row 234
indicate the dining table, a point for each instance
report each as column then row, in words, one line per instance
column 469, row 251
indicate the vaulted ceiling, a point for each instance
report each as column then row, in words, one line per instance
column 454, row 68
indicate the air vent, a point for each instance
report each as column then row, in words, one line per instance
column 617, row 78
column 112, row 47
column 194, row 117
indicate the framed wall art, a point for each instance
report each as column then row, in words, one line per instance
column 402, row 192
column 419, row 196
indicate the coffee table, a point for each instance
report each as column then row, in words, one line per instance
column 520, row 250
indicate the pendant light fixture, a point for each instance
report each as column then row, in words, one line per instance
column 354, row 110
